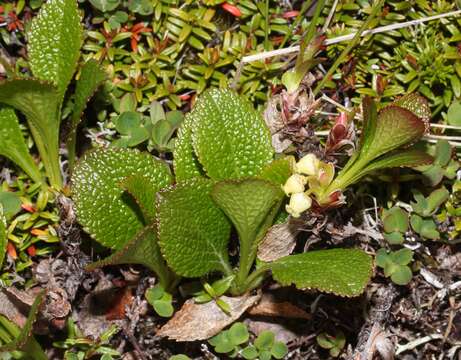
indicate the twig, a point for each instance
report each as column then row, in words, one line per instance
column 330, row 16
column 293, row 49
column 415, row 343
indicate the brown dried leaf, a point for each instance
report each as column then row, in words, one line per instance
column 268, row 306
column 202, row 321
column 279, row 241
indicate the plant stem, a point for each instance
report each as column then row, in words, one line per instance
column 266, row 32
column 374, row 11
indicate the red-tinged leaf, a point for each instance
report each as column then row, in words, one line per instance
column 31, row 250
column 11, row 250
column 395, row 127
column 290, row 14
column 417, row 104
column 28, row 207
column 232, row 9
column 134, row 44
column 38, row 232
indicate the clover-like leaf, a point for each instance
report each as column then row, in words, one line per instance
column 193, row 232
column 230, row 137
column 104, row 209
column 38, row 102
column 143, row 249
column 55, row 38
column 186, row 164
column 13, row 145
column 91, row 77
column 395, row 220
column 343, row 272
column 251, row 204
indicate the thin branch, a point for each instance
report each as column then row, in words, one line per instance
column 293, row 49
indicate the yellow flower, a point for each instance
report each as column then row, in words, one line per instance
column 308, row 165
column 299, row 202
column 294, row 184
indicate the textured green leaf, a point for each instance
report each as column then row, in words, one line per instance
column 13, row 145
column 343, row 272
column 25, row 341
column 186, row 165
column 230, row 137
column 415, row 103
column 139, row 187
column 55, row 38
column 193, row 232
column 278, row 171
column 104, row 209
column 395, row 127
column 143, row 249
column 370, row 118
column 251, row 204
column 91, row 77
column 37, row 101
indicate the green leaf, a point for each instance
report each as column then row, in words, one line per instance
column 343, row 272
column 91, row 77
column 143, row 249
column 230, row 137
column 265, row 340
column 408, row 158
column 278, row 171
column 103, row 208
column 249, row 353
column 193, row 232
column 395, row 127
column 55, row 38
column 13, row 145
column 10, row 202
column 394, row 238
column 25, row 341
column 395, row 219
column 139, row 187
column 238, row 333
column 454, row 114
column 248, row 203
column 415, row 103
column 3, row 236
column 279, row 350
column 186, row 164
column 436, row 199
column 370, row 118
column 402, row 257
column 105, row 5
column 180, row 357
column 402, row 275
column 38, row 102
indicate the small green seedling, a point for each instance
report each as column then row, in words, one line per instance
column 395, row 264
column 132, row 131
column 265, row 347
column 163, row 126
column 424, row 207
column 395, row 221
column 160, row 300
column 230, row 341
column 334, row 343
column 443, row 166
column 214, row 291
column 79, row 347
column 53, row 58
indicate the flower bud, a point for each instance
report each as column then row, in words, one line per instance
column 299, row 203
column 294, row 184
column 308, row 165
